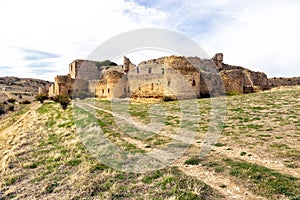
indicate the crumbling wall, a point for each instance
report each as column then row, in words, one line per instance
column 218, row 60
column 52, row 90
column 106, row 87
column 279, row 81
column 85, row 69
column 260, row 80
column 63, row 85
column 173, row 75
column 233, row 81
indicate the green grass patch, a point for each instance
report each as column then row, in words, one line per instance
column 264, row 181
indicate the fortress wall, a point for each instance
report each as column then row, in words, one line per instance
column 176, row 74
column 62, row 79
column 233, row 81
column 51, row 90
column 101, row 89
column 260, row 79
column 92, row 85
column 211, row 84
column 84, row 69
column 277, row 82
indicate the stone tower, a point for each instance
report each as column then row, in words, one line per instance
column 126, row 64
column 218, row 60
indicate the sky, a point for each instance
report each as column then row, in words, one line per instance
column 38, row 39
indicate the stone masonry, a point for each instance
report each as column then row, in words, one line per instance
column 174, row 76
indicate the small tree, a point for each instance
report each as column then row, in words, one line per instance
column 41, row 97
column 11, row 100
column 2, row 109
column 11, row 108
column 63, row 100
column 25, row 102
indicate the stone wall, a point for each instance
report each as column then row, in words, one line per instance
column 277, row 82
column 260, row 80
column 233, row 80
column 85, row 69
column 63, row 85
column 175, row 76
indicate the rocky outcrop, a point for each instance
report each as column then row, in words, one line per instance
column 20, row 88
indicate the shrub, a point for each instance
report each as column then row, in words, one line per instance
column 192, row 161
column 63, row 100
column 25, row 102
column 41, row 97
column 2, row 109
column 232, row 93
column 168, row 98
column 11, row 100
column 11, row 108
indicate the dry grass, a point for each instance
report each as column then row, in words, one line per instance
column 256, row 156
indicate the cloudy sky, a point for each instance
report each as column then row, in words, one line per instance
column 40, row 38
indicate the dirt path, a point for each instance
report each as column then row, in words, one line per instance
column 262, row 160
column 215, row 180
column 219, row 182
column 231, row 191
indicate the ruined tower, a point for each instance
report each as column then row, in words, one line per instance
column 218, row 60
column 126, row 64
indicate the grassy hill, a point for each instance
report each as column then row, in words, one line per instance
column 257, row 155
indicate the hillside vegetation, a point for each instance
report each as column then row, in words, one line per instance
column 257, row 155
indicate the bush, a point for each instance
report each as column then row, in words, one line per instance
column 168, row 98
column 2, row 109
column 192, row 161
column 11, row 100
column 41, row 97
column 63, row 100
column 25, row 102
column 232, row 93
column 11, row 108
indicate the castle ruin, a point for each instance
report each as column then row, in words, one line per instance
column 174, row 76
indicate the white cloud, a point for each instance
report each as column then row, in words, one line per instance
column 260, row 35
column 263, row 37
column 69, row 28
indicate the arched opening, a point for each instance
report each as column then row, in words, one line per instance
column 194, row 83
column 169, row 83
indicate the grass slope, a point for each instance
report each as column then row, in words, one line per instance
column 42, row 156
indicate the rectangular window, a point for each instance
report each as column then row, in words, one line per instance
column 108, row 90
